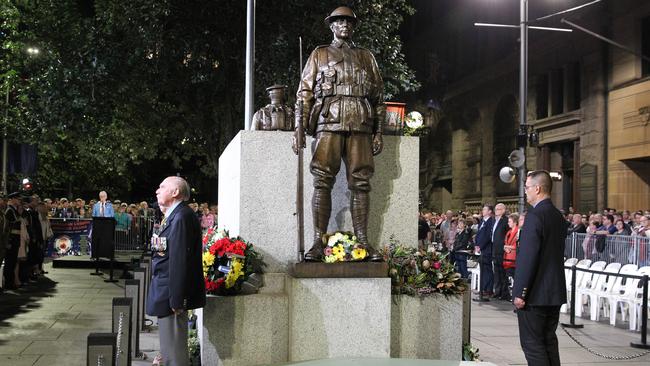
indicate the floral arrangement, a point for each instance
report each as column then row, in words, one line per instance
column 342, row 247
column 228, row 262
column 419, row 272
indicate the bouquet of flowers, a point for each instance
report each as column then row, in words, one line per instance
column 419, row 272
column 228, row 262
column 342, row 247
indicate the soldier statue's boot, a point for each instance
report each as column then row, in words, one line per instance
column 359, row 207
column 321, row 208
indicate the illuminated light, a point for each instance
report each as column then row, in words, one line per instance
column 414, row 119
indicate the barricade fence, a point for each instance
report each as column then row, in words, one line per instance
column 131, row 234
column 624, row 249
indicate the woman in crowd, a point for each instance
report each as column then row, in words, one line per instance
column 642, row 230
column 510, row 246
column 621, row 228
column 122, row 224
column 450, row 235
column 207, row 219
column 588, row 245
column 462, row 244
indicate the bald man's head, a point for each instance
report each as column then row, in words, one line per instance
column 171, row 190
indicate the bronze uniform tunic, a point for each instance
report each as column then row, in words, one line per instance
column 342, row 94
column 272, row 118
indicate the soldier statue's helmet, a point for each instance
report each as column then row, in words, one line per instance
column 341, row 12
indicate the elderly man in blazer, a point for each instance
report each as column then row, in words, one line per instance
column 177, row 283
column 539, row 289
column 483, row 241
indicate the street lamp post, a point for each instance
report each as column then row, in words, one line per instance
column 523, row 96
column 4, row 144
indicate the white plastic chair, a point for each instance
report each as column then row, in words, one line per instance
column 630, row 302
column 584, row 263
column 602, row 288
column 475, row 277
column 589, row 282
column 605, row 299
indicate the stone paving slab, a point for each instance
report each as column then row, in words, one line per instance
column 47, row 324
column 19, row 360
column 51, row 360
column 13, row 347
column 496, row 334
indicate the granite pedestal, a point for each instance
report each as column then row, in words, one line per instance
column 339, row 317
column 428, row 327
column 295, row 319
column 257, row 194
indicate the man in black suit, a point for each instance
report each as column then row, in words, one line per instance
column 539, row 289
column 499, row 230
column 576, row 225
column 177, row 284
column 483, row 241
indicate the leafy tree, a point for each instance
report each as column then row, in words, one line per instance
column 144, row 88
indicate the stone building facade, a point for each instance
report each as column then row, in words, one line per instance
column 588, row 101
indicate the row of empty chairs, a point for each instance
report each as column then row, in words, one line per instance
column 607, row 293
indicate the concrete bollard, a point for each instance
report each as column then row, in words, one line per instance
column 101, row 349
column 132, row 290
column 140, row 275
column 122, row 314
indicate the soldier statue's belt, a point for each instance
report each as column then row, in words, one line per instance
column 350, row 90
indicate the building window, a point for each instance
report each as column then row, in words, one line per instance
column 572, row 87
column 645, row 46
column 557, row 92
column 541, row 99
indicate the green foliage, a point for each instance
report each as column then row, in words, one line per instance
column 122, row 87
column 470, row 353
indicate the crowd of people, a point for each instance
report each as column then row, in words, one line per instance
column 125, row 214
column 491, row 238
column 25, row 227
column 24, row 231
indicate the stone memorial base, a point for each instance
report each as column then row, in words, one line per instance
column 427, row 328
column 339, row 318
column 257, row 194
column 298, row 319
column 295, row 319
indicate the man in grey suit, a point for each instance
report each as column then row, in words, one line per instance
column 539, row 289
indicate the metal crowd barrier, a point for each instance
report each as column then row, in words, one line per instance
column 624, row 249
column 129, row 236
column 134, row 236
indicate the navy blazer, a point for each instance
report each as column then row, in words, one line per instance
column 484, row 237
column 177, row 274
column 499, row 237
column 539, row 278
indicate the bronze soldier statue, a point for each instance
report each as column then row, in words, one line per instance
column 342, row 96
column 274, row 116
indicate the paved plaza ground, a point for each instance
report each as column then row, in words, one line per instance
column 46, row 324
